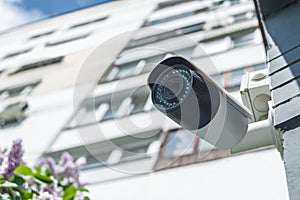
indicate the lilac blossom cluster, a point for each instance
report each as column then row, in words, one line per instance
column 61, row 174
column 65, row 172
column 10, row 160
column 65, row 169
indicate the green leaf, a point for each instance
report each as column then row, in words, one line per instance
column 83, row 190
column 23, row 170
column 35, row 192
column 37, row 181
column 43, row 178
column 69, row 192
column 17, row 180
column 86, row 198
column 27, row 194
column 48, row 172
column 43, row 170
column 1, row 177
column 38, row 169
column 8, row 184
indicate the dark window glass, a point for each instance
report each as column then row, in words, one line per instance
column 170, row 3
column 175, row 17
column 180, row 148
column 132, row 100
column 15, row 54
column 113, row 152
column 50, row 44
column 244, row 39
column 12, row 114
column 167, row 35
column 89, row 22
column 18, row 90
column 108, row 114
column 41, row 35
column 130, row 69
column 180, row 142
column 39, row 64
column 139, row 100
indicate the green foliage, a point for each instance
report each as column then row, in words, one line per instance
column 69, row 192
column 18, row 187
column 21, row 182
column 23, row 170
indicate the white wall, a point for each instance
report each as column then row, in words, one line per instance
column 258, row 176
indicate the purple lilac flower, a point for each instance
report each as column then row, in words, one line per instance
column 46, row 196
column 53, row 189
column 48, row 162
column 66, row 170
column 12, row 160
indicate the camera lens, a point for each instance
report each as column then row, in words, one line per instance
column 181, row 93
column 172, row 87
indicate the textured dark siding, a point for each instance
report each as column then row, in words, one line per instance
column 281, row 20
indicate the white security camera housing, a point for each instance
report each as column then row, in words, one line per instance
column 189, row 97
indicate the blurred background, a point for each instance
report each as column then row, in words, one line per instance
column 44, row 49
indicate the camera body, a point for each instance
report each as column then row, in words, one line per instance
column 189, row 97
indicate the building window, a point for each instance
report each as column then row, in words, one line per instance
column 137, row 66
column 179, row 143
column 180, row 147
column 60, row 42
column 130, row 69
column 128, row 102
column 225, row 3
column 116, row 151
column 226, row 42
column 91, row 113
column 243, row 16
column 213, row 47
column 39, row 64
column 166, row 35
column 218, row 78
column 15, row 54
column 170, row 3
column 16, row 90
column 126, row 70
column 41, row 35
column 122, row 150
column 231, row 80
column 246, row 38
column 89, row 22
column 13, row 114
column 175, row 17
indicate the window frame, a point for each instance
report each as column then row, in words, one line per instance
column 90, row 106
column 124, row 144
column 12, row 114
column 38, row 65
column 163, row 162
column 66, row 40
column 40, row 35
column 17, row 53
column 89, row 22
column 19, row 87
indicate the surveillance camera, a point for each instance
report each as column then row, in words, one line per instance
column 189, row 97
